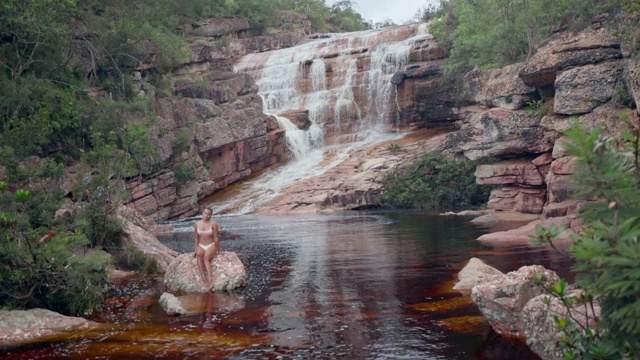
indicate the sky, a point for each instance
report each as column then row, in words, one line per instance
column 399, row 11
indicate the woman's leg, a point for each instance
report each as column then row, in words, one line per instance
column 201, row 265
column 208, row 256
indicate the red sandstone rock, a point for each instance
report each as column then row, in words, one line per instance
column 476, row 271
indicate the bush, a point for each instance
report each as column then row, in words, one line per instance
column 607, row 251
column 435, row 182
column 41, row 266
column 131, row 258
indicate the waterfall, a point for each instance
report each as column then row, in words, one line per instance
column 342, row 81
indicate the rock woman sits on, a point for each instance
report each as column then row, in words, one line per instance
column 207, row 245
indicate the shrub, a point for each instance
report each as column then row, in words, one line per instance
column 607, row 251
column 41, row 266
column 435, row 182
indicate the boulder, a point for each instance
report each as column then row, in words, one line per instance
column 498, row 132
column 499, row 87
column 539, row 326
column 171, row 304
column 502, row 298
column 144, row 240
column 183, row 274
column 513, row 171
column 198, row 303
column 567, row 50
column 580, row 90
column 22, row 326
column 476, row 271
column 516, row 198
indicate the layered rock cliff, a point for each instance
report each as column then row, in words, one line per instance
column 338, row 88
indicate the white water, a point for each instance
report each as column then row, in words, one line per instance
column 281, row 77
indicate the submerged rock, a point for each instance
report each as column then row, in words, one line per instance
column 171, row 304
column 183, row 274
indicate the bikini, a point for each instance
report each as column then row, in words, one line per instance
column 205, row 232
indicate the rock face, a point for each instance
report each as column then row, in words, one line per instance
column 502, row 298
column 23, row 326
column 183, row 274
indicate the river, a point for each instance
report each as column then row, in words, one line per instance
column 352, row 285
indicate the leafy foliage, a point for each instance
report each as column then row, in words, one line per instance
column 494, row 33
column 436, row 182
column 607, row 252
column 41, row 264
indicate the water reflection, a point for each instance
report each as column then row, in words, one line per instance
column 354, row 285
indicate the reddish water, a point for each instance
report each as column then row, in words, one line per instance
column 344, row 286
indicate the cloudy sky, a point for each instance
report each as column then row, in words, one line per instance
column 398, row 11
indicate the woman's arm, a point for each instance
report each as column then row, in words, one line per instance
column 197, row 239
column 216, row 239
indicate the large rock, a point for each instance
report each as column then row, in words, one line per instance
column 198, row 303
column 502, row 298
column 539, row 326
column 514, row 171
column 516, row 198
column 568, row 50
column 498, row 132
column 499, row 87
column 476, row 271
column 171, row 304
column 144, row 240
column 216, row 27
column 183, row 274
column 580, row 90
column 23, row 326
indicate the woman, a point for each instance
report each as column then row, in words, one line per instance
column 207, row 244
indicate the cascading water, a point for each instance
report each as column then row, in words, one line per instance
column 343, row 83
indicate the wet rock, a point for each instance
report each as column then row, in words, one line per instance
column 502, row 299
column 476, row 271
column 199, row 303
column 183, row 274
column 171, row 304
column 523, row 234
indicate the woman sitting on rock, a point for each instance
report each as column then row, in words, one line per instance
column 207, row 245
